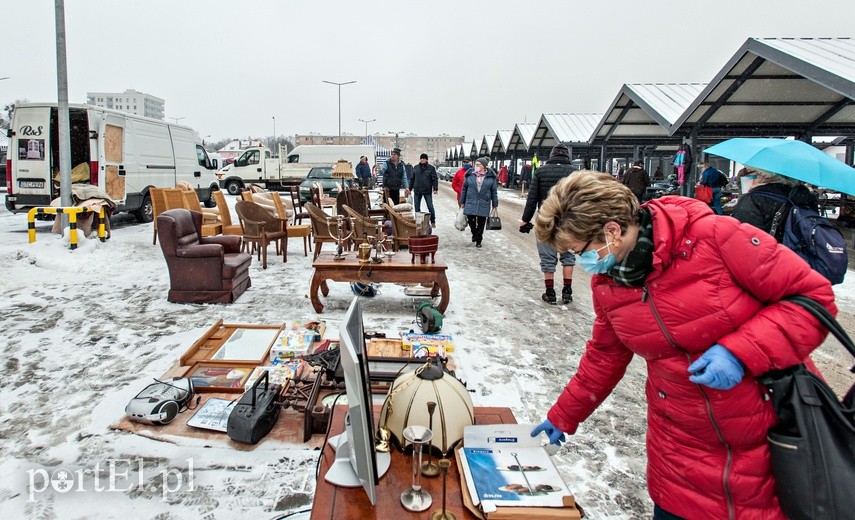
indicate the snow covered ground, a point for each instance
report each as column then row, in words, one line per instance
column 85, row 330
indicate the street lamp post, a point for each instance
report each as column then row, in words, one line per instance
column 339, row 102
column 274, row 129
column 366, row 121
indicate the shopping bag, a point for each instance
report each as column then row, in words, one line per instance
column 703, row 193
column 813, row 445
column 494, row 223
column 460, row 220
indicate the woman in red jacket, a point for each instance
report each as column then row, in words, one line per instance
column 698, row 296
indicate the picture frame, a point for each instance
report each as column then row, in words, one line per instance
column 221, row 337
column 219, row 377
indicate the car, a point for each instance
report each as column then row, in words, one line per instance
column 446, row 173
column 322, row 175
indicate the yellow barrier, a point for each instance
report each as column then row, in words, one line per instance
column 72, row 221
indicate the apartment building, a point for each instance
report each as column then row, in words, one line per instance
column 411, row 145
column 138, row 103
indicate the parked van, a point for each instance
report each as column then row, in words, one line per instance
column 257, row 165
column 126, row 154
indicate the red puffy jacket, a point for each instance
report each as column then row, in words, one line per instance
column 457, row 181
column 714, row 280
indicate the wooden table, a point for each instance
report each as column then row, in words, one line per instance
column 397, row 269
column 333, row 502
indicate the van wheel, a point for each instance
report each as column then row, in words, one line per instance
column 146, row 213
column 234, row 187
column 211, row 203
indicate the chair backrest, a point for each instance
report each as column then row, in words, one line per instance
column 158, row 203
column 295, row 197
column 177, row 228
column 281, row 211
column 316, row 195
column 322, row 225
column 174, row 198
column 225, row 213
column 246, row 195
column 252, row 214
column 356, row 199
column 363, row 227
column 401, row 227
column 191, row 201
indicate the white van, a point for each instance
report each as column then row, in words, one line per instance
column 126, row 154
column 329, row 154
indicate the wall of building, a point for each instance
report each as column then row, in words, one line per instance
column 138, row 103
column 411, row 145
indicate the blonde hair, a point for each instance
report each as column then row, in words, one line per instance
column 579, row 206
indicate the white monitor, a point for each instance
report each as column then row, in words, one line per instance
column 356, row 463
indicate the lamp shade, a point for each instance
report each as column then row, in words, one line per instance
column 343, row 170
column 407, row 404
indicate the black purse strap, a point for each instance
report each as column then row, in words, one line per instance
column 827, row 320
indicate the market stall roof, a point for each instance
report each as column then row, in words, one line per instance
column 464, row 150
column 476, row 146
column 487, row 145
column 570, row 129
column 778, row 86
column 644, row 112
column 521, row 137
column 500, row 144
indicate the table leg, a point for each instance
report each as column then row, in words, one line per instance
column 313, row 292
column 325, row 290
column 442, row 282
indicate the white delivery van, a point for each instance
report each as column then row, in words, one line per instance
column 328, row 154
column 126, row 154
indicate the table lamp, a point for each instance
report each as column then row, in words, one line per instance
column 343, row 170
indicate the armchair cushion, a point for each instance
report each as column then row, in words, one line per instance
column 210, row 270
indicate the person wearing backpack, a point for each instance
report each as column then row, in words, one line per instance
column 714, row 179
column 787, row 210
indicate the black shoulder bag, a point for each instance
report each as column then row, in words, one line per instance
column 813, row 444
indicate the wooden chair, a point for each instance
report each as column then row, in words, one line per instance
column 324, row 228
column 260, row 228
column 282, row 212
column 364, row 228
column 319, row 199
column 402, row 229
column 226, row 215
column 210, row 224
column 173, row 198
column 355, row 199
column 300, row 213
column 158, row 206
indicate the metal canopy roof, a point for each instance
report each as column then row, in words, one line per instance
column 464, row 150
column 476, row 147
column 645, row 111
column 778, row 86
column 521, row 137
column 487, row 145
column 500, row 142
column 570, row 129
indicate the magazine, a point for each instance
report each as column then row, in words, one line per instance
column 280, row 373
column 213, row 415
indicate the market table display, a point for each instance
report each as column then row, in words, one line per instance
column 396, row 268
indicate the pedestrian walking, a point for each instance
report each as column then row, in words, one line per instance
column 459, row 175
column 478, row 196
column 700, row 298
column 395, row 177
column 715, row 179
column 363, row 172
column 556, row 168
column 637, row 180
column 425, row 186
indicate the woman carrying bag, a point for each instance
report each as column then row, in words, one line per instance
column 699, row 297
column 478, row 196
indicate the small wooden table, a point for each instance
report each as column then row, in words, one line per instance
column 333, row 502
column 397, row 268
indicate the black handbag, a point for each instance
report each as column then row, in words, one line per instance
column 494, row 223
column 813, row 444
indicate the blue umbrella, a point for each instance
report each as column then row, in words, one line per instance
column 794, row 159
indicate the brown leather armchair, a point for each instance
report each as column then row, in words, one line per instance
column 201, row 270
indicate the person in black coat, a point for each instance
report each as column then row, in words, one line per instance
column 425, row 186
column 759, row 210
column 395, row 177
column 556, row 168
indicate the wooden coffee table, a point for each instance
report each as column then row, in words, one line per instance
column 396, row 269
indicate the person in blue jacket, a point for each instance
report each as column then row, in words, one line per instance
column 714, row 179
column 478, row 196
column 363, row 172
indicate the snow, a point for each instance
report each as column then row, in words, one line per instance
column 85, row 330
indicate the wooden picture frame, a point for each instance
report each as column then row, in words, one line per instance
column 219, row 377
column 221, row 335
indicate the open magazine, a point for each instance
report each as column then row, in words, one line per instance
column 504, row 466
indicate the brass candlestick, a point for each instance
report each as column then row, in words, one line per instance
column 429, row 468
column 444, row 464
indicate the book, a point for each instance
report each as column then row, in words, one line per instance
column 213, row 415
column 430, row 344
column 281, row 373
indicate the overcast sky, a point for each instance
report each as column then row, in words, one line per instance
column 426, row 66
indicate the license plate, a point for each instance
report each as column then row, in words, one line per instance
column 37, row 185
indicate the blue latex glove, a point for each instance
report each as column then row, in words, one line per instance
column 555, row 435
column 717, row 368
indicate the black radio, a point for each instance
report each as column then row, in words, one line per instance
column 255, row 414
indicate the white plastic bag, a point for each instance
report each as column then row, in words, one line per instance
column 460, row 220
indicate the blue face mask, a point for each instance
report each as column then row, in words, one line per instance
column 590, row 261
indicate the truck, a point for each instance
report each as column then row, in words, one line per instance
column 125, row 155
column 257, row 165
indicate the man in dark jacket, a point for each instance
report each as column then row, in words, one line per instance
column 425, row 185
column 363, row 172
column 556, row 168
column 759, row 210
column 395, row 177
column 636, row 179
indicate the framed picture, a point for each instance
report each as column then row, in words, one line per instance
column 209, row 377
column 228, row 344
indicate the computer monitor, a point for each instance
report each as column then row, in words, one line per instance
column 356, row 461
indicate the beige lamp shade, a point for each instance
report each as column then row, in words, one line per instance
column 407, row 404
column 343, row 170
